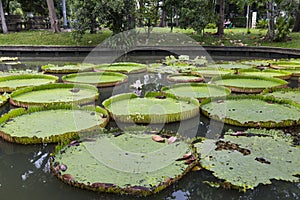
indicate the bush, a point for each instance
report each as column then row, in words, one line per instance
column 239, row 21
column 211, row 26
column 263, row 23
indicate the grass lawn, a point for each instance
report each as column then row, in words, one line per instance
column 232, row 37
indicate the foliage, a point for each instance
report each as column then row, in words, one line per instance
column 196, row 14
column 284, row 24
column 262, row 23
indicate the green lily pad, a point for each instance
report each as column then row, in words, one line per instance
column 248, row 84
column 230, row 65
column 185, row 77
column 257, row 63
column 99, row 79
column 266, row 73
column 166, row 69
column 155, row 107
column 13, row 82
column 247, row 159
column 211, row 72
column 51, row 124
column 199, row 91
column 51, row 94
column 130, row 162
column 70, row 68
column 284, row 64
column 294, row 71
column 253, row 111
column 122, row 67
column 284, row 93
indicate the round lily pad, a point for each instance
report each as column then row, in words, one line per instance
column 248, row 84
column 283, row 64
column 294, row 71
column 253, row 111
column 185, row 77
column 122, row 67
column 49, row 94
column 166, row 69
column 230, row 65
column 244, row 160
column 99, row 79
column 257, row 63
column 284, row 93
column 70, row 68
column 199, row 91
column 13, row 82
column 130, row 162
column 211, row 72
column 155, row 107
column 49, row 124
column 266, row 73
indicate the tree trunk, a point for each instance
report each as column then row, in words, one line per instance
column 297, row 21
column 221, row 18
column 4, row 27
column 271, row 24
column 53, row 18
column 163, row 16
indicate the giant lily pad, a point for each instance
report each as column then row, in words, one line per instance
column 247, row 159
column 122, row 67
column 51, row 124
column 253, row 111
column 185, row 77
column 13, row 82
column 99, row 79
column 166, row 69
column 295, row 71
column 49, row 94
column 248, row 84
column 257, row 63
column 283, row 64
column 126, row 163
column 230, row 65
column 197, row 90
column 70, row 68
column 211, row 72
column 155, row 107
column 284, row 93
column 266, row 73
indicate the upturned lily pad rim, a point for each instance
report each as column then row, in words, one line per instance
column 158, row 118
column 262, row 62
column 281, row 83
column 268, row 92
column 197, row 78
column 123, row 78
column 52, row 78
column 227, row 91
column 111, row 187
column 105, row 67
column 262, row 124
column 3, row 99
column 284, row 74
column 82, row 67
column 84, row 100
column 53, row 138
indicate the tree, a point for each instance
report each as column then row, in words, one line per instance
column 196, row 14
column 297, row 20
column 53, row 18
column 4, row 27
column 220, row 31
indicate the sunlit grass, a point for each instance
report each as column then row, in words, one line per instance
column 232, row 37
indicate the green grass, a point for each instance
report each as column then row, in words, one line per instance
column 46, row 37
column 232, row 37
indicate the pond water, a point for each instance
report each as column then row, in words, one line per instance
column 24, row 169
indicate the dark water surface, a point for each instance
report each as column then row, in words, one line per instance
column 24, row 169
